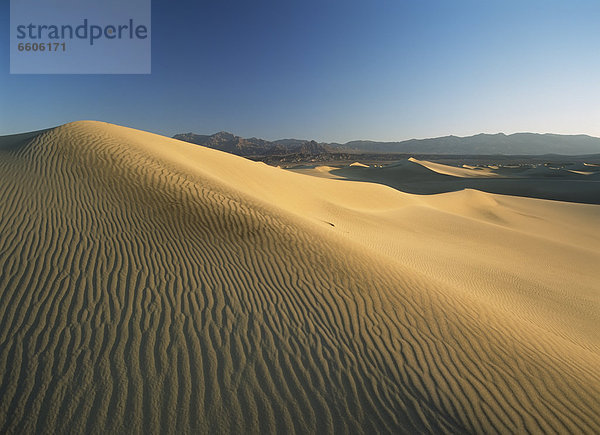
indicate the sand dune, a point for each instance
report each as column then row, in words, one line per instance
column 422, row 177
column 464, row 172
column 581, row 172
column 151, row 285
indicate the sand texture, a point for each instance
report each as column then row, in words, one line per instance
column 149, row 285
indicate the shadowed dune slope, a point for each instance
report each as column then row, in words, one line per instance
column 149, row 285
column 423, row 177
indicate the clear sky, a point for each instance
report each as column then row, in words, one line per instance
column 337, row 71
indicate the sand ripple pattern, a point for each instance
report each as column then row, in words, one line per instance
column 138, row 298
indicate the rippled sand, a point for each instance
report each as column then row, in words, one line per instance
column 150, row 285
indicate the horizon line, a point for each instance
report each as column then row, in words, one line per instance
column 318, row 141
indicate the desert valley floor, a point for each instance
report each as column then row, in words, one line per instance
column 150, row 285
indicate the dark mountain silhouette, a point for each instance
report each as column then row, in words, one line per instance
column 233, row 144
column 514, row 144
column 481, row 144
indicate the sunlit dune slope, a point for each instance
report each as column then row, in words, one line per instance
column 464, row 172
column 150, row 285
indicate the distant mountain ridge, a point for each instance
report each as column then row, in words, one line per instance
column 233, row 144
column 513, row 144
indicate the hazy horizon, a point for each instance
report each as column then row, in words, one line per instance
column 274, row 139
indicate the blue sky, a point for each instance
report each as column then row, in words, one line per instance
column 337, row 71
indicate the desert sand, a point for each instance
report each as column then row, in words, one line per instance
column 151, row 285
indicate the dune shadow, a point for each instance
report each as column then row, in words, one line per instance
column 578, row 189
column 14, row 142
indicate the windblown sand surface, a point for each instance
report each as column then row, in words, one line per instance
column 151, row 285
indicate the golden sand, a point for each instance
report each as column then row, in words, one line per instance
column 150, row 285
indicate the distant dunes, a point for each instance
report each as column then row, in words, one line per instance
column 572, row 182
column 151, row 285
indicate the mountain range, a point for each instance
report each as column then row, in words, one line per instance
column 224, row 141
column 481, row 144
